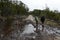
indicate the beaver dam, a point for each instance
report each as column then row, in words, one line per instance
column 28, row 32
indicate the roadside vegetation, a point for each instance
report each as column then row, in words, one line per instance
column 9, row 8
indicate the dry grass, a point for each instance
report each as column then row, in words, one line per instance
column 51, row 23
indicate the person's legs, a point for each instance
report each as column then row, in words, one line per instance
column 42, row 27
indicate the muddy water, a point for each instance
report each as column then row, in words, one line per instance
column 50, row 30
column 49, row 33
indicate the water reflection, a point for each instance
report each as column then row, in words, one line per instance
column 28, row 29
column 49, row 30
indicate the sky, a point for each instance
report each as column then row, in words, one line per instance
column 42, row 4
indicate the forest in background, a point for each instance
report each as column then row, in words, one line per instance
column 10, row 8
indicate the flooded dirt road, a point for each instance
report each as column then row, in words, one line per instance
column 49, row 33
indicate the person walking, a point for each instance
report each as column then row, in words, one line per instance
column 36, row 19
column 42, row 21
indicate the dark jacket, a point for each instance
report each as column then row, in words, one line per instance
column 42, row 19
